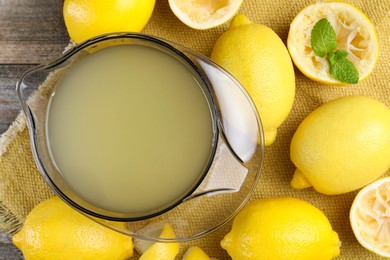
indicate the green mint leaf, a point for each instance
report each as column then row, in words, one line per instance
column 323, row 38
column 338, row 55
column 341, row 68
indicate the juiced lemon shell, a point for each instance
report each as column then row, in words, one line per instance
column 355, row 34
column 370, row 217
column 204, row 14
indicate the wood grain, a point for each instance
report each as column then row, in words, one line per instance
column 9, row 104
column 31, row 32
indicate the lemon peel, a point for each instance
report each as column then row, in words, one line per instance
column 299, row 181
column 239, row 20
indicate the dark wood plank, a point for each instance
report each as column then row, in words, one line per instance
column 31, row 31
column 9, row 104
column 7, row 250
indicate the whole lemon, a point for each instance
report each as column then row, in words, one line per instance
column 89, row 18
column 256, row 56
column 342, row 145
column 53, row 230
column 281, row 228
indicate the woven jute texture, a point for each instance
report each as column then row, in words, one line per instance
column 21, row 187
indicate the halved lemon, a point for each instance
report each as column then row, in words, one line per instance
column 195, row 253
column 355, row 34
column 155, row 250
column 204, row 14
column 370, row 217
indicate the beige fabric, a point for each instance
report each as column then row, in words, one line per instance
column 21, row 186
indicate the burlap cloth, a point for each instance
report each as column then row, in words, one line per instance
column 21, row 186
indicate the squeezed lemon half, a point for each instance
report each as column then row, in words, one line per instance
column 370, row 217
column 355, row 34
column 204, row 14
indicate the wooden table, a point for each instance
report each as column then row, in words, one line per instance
column 31, row 32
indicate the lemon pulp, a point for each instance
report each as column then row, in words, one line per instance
column 204, row 14
column 370, row 217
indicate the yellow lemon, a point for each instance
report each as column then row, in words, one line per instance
column 195, row 253
column 256, row 56
column 355, row 34
column 370, row 217
column 204, row 14
column 157, row 250
column 53, row 230
column 89, row 18
column 281, row 228
column 342, row 145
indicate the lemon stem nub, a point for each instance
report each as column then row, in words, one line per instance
column 239, row 20
column 299, row 181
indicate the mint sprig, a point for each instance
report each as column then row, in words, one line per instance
column 323, row 42
column 323, row 38
column 341, row 68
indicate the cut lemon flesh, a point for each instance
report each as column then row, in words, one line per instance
column 355, row 34
column 204, row 14
column 195, row 253
column 370, row 217
column 157, row 250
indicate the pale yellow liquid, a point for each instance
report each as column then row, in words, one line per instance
column 130, row 129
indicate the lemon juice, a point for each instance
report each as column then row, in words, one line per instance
column 130, row 128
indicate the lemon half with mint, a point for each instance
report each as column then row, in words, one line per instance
column 355, row 36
